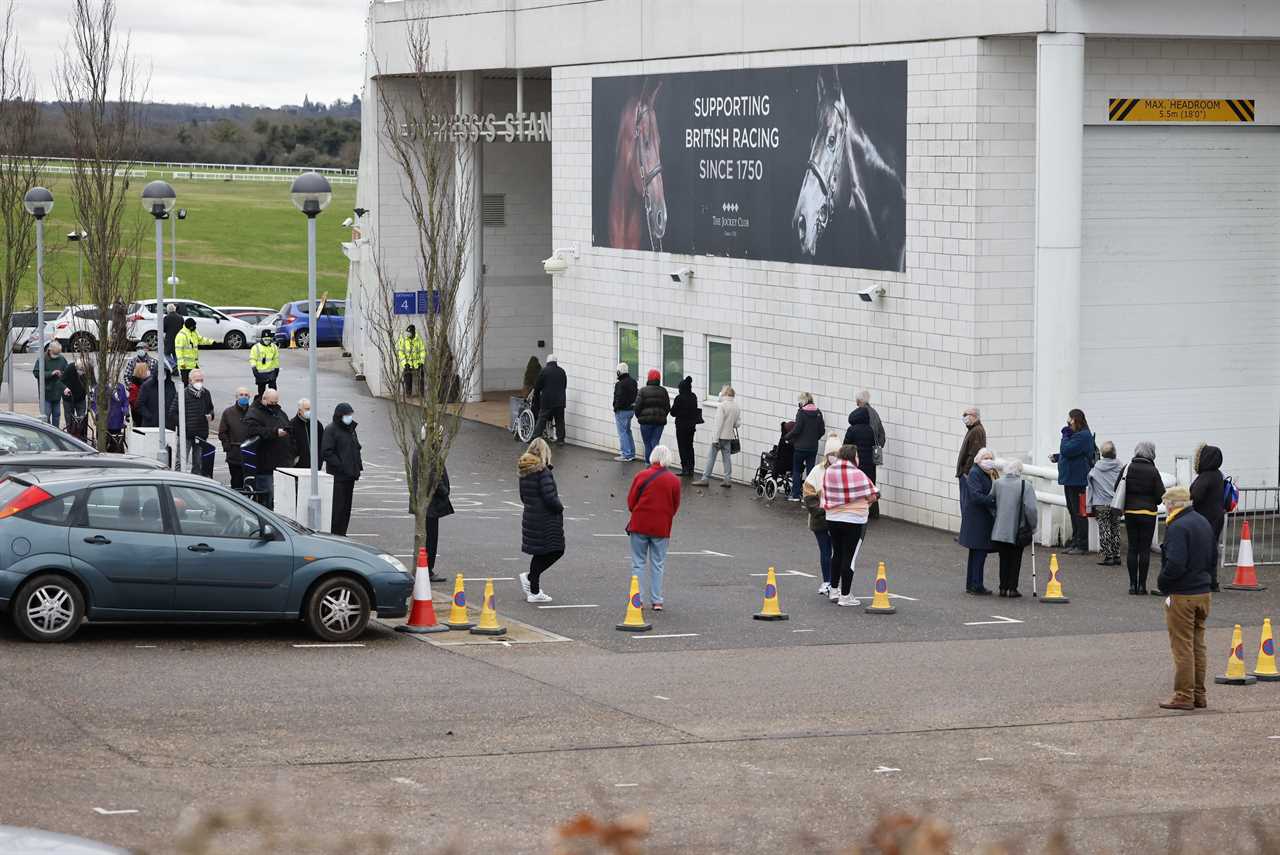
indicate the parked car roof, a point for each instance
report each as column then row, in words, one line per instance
column 26, row 462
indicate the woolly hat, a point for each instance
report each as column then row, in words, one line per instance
column 654, row 374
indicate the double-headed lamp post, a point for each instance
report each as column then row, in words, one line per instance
column 174, row 281
column 39, row 203
column 158, row 200
column 311, row 194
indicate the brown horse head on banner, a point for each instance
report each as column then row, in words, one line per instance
column 846, row 172
column 637, row 204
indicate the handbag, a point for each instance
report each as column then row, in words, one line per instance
column 1122, row 482
column 735, row 444
column 697, row 418
column 877, row 455
column 1025, row 534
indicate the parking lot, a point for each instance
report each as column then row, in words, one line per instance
column 993, row 714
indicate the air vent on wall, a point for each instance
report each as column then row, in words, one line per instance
column 493, row 210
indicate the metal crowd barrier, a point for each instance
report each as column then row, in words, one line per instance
column 1260, row 507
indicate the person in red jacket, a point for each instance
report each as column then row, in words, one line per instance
column 653, row 500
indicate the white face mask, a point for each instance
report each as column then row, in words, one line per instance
column 986, row 464
column 197, row 385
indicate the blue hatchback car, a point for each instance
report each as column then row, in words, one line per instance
column 139, row 545
column 295, row 323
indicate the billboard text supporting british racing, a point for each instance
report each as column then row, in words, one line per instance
column 783, row 164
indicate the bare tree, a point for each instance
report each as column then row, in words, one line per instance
column 102, row 91
column 433, row 165
column 19, row 172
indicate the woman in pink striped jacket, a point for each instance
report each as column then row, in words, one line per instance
column 847, row 496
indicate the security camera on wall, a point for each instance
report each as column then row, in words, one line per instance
column 682, row 276
column 558, row 263
column 870, row 295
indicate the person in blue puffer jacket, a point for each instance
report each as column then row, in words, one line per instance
column 1076, row 455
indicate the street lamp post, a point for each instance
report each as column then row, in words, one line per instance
column 77, row 237
column 39, row 202
column 158, row 199
column 174, row 281
column 311, row 194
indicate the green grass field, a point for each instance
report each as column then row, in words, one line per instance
column 242, row 244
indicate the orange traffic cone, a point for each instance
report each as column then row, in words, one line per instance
column 880, row 604
column 1053, row 590
column 770, row 610
column 1265, row 668
column 458, row 617
column 634, row 621
column 488, row 615
column 1236, row 675
column 422, row 618
column 1246, row 576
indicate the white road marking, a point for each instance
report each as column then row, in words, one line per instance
column 669, row 635
column 490, row 518
column 984, row 759
column 804, row 630
column 883, row 769
column 336, row 644
column 105, row 812
column 1055, row 749
column 1273, row 737
column 998, row 620
column 145, row 646
column 708, row 553
column 901, row 597
column 626, row 785
column 610, row 534
column 576, row 606
column 513, row 504
column 353, row 534
column 662, row 698
column 787, row 573
column 408, row 782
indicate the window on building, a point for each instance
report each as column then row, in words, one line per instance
column 719, row 366
column 672, row 359
column 629, row 348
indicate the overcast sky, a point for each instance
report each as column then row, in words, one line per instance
column 268, row 52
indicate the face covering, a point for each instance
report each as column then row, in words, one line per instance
column 347, row 419
column 142, row 354
column 243, row 400
column 986, row 464
column 306, row 414
column 197, row 385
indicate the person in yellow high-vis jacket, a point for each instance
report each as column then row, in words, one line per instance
column 264, row 358
column 412, row 353
column 186, row 347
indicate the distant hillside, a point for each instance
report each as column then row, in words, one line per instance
column 308, row 134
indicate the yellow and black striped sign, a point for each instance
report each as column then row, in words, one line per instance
column 1180, row 110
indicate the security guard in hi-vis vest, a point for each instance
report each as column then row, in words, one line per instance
column 412, row 353
column 186, row 347
column 264, row 358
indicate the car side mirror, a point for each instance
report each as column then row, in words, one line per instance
column 268, row 532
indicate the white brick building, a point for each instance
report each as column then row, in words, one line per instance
column 1055, row 256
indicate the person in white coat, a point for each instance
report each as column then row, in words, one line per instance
column 728, row 420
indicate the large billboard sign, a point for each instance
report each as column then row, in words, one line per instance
column 800, row 164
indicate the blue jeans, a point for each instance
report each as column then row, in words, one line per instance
column 824, row 553
column 264, row 486
column 55, row 411
column 720, row 447
column 626, row 443
column 655, row 549
column 976, row 566
column 652, row 436
column 801, row 463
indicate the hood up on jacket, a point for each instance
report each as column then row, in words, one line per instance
column 1208, row 458
column 528, row 464
column 686, row 385
column 860, row 416
column 343, row 409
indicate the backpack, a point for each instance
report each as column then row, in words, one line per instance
column 1230, row 495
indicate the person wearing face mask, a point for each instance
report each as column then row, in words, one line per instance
column 976, row 520
column 264, row 358
column 232, row 432
column 807, row 430
column 186, row 346
column 269, row 424
column 300, row 434
column 340, row 451
column 975, row 437
column 198, row 413
column 140, row 355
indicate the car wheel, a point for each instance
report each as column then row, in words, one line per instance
column 234, row 340
column 48, row 608
column 82, row 343
column 149, row 339
column 303, row 338
column 338, row 609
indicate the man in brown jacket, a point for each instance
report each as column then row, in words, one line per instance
column 975, row 439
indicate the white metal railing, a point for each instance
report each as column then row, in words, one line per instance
column 1055, row 520
column 154, row 165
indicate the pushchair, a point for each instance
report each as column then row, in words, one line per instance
column 773, row 476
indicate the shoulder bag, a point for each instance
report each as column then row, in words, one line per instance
column 1025, row 534
column 1117, row 500
column 735, row 444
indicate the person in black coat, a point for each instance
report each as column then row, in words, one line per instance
column 149, row 399
column 300, row 434
column 197, row 418
column 863, row 436
column 804, row 436
column 624, row 409
column 267, row 423
column 976, row 521
column 1207, row 496
column 550, row 392
column 688, row 416
column 439, row 506
column 1187, row 558
column 1142, row 492
column 231, row 433
column 542, row 524
column 340, row 451
column 172, row 326
column 653, row 404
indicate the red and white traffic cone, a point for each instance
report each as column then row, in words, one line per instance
column 422, row 618
column 1246, row 576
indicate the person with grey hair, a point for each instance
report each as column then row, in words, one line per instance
column 975, row 438
column 1104, row 477
column 197, row 419
column 624, row 410
column 1142, row 492
column 863, row 402
column 1187, row 559
column 172, row 326
column 654, row 501
column 54, row 383
column 300, row 434
column 806, row 432
column 550, row 394
column 1013, row 503
column 723, row 438
column 975, row 519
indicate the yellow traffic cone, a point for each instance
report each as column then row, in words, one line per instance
column 488, row 616
column 1235, row 675
column 880, row 604
column 458, row 617
column 293, row 342
column 1053, row 590
column 634, row 621
column 1265, row 669
column 770, row 610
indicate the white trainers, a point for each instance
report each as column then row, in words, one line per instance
column 825, row 588
column 524, row 584
column 540, row 597
column 850, row 600
column 834, row 592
